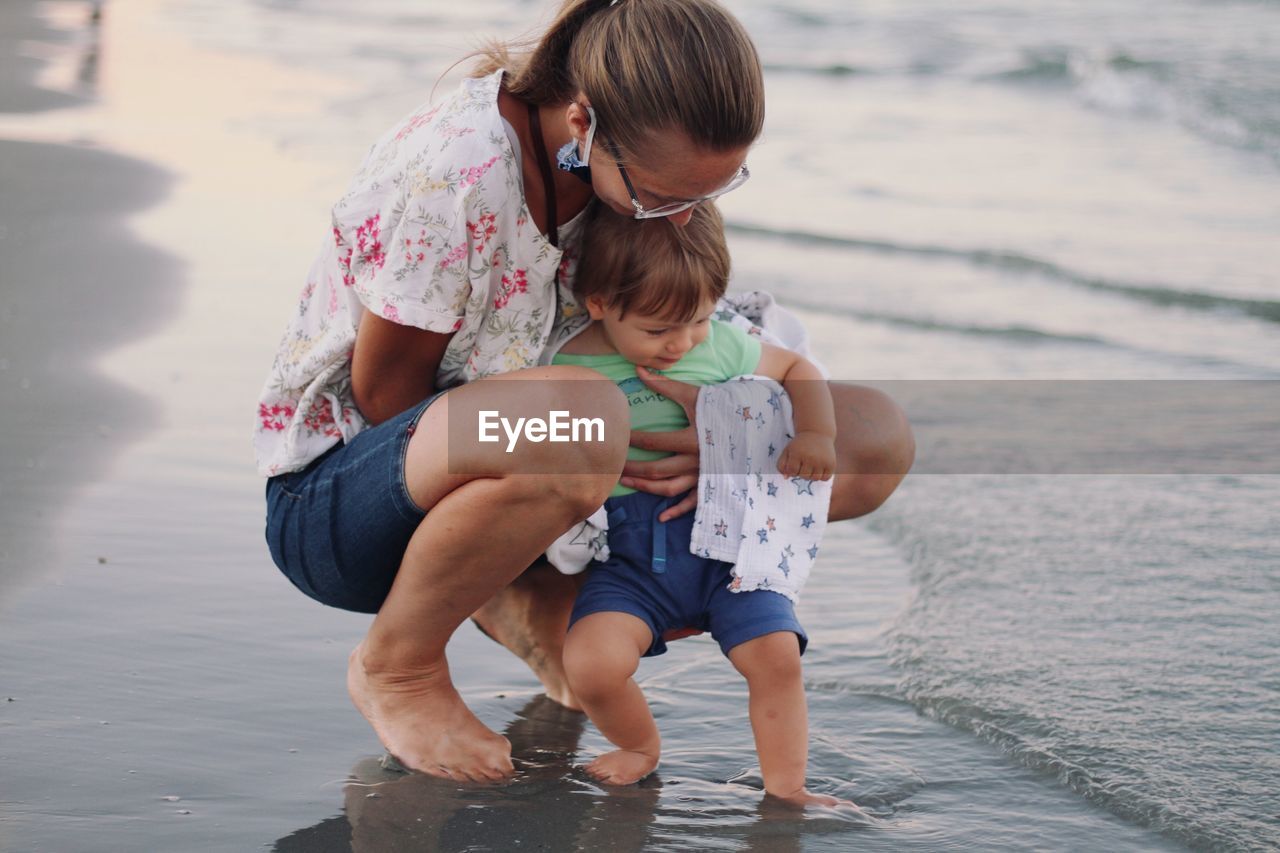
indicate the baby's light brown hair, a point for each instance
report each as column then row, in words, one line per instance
column 651, row 266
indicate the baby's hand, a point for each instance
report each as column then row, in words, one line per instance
column 810, row 455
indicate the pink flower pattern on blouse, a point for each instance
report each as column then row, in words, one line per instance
column 433, row 233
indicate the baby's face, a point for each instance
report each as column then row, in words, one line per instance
column 651, row 340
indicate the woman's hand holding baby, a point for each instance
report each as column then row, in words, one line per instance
column 676, row 474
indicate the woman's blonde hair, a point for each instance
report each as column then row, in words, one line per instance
column 651, row 266
column 646, row 67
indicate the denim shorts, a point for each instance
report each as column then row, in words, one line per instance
column 652, row 575
column 338, row 529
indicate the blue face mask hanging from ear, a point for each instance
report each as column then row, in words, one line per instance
column 568, row 159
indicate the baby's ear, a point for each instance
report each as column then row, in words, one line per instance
column 595, row 307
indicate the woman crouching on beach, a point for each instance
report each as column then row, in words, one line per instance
column 445, row 280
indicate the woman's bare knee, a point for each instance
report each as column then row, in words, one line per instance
column 584, row 470
column 875, row 449
column 566, row 427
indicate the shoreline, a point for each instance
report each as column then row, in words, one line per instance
column 65, row 247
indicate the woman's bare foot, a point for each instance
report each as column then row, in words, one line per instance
column 423, row 722
column 622, row 767
column 529, row 617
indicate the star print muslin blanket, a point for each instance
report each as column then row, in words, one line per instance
column 765, row 523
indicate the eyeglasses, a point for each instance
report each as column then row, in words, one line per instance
column 663, row 209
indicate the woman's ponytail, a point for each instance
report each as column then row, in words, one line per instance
column 648, row 67
column 538, row 72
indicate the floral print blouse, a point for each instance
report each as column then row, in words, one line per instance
column 433, row 232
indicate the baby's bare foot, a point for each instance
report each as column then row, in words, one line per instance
column 423, row 722
column 803, row 798
column 622, row 767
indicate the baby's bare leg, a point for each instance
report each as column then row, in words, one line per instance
column 779, row 717
column 601, row 654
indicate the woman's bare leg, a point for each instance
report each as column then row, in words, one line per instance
column 489, row 518
column 874, row 449
column 529, row 617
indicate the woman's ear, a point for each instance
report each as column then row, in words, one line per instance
column 578, row 119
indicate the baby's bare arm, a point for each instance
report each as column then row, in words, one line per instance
column 812, row 453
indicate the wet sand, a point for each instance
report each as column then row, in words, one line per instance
column 158, row 677
column 76, row 284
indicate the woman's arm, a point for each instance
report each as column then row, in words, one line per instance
column 393, row 366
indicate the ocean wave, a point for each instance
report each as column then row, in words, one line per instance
column 1237, row 109
column 1020, row 334
column 835, row 69
column 1094, row 658
column 1058, row 64
column 1020, row 264
column 803, row 17
column 1032, row 744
